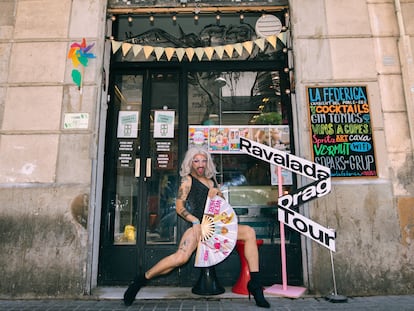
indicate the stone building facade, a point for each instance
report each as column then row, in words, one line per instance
column 51, row 176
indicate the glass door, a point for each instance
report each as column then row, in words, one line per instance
column 141, row 174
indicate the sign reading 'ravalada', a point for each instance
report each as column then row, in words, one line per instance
column 320, row 187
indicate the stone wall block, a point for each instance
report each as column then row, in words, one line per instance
column 352, row 58
column 406, row 216
column 365, row 228
column 5, row 49
column 407, row 11
column 47, row 244
column 86, row 19
column 28, row 158
column 75, row 101
column 392, row 95
column 38, row 62
column 386, row 52
column 42, row 19
column 33, row 108
column 3, row 92
column 396, row 132
column 74, row 163
column 308, row 18
column 314, row 59
column 7, row 19
column 403, row 174
column 347, row 18
column 383, row 19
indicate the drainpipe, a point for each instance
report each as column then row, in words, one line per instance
column 407, row 69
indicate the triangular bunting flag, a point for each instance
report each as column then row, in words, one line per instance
column 260, row 43
column 125, row 48
column 209, row 52
column 248, row 45
column 115, row 46
column 148, row 50
column 272, row 40
column 158, row 52
column 220, row 51
column 169, row 52
column 136, row 48
column 180, row 53
column 239, row 48
column 190, row 53
column 282, row 37
column 199, row 52
column 229, row 48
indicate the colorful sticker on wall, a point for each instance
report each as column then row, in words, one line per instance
column 79, row 54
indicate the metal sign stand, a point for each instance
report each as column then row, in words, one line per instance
column 334, row 297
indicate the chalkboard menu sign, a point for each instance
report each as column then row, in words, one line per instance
column 341, row 130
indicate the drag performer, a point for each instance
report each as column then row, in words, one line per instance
column 197, row 182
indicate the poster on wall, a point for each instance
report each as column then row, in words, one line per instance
column 341, row 132
column 164, row 123
column 226, row 138
column 127, row 124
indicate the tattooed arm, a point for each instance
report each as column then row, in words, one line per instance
column 183, row 192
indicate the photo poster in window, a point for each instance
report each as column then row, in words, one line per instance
column 164, row 123
column 286, row 176
column 234, row 139
column 280, row 137
column 198, row 136
column 219, row 138
column 127, row 124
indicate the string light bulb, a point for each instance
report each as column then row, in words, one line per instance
column 151, row 18
column 218, row 17
column 130, row 19
column 241, row 17
column 174, row 17
column 113, row 18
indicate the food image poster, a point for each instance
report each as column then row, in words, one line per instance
column 219, row 139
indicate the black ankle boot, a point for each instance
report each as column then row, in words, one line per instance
column 133, row 288
column 257, row 291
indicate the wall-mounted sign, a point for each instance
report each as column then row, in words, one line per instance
column 341, row 132
column 76, row 121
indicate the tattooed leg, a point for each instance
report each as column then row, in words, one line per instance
column 187, row 246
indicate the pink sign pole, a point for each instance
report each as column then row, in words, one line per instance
column 284, row 289
column 282, row 232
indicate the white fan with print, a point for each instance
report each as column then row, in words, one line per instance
column 218, row 233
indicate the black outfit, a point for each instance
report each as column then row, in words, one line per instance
column 197, row 197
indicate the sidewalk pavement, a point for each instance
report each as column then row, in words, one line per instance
column 210, row 303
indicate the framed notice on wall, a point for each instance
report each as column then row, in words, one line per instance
column 341, row 132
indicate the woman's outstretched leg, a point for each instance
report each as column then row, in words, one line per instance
column 187, row 246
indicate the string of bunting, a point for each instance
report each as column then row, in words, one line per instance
column 190, row 52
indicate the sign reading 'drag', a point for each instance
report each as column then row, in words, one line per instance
column 341, row 130
column 321, row 186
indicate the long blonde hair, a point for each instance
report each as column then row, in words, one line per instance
column 187, row 163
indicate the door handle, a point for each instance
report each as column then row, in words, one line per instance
column 148, row 168
column 137, row 167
